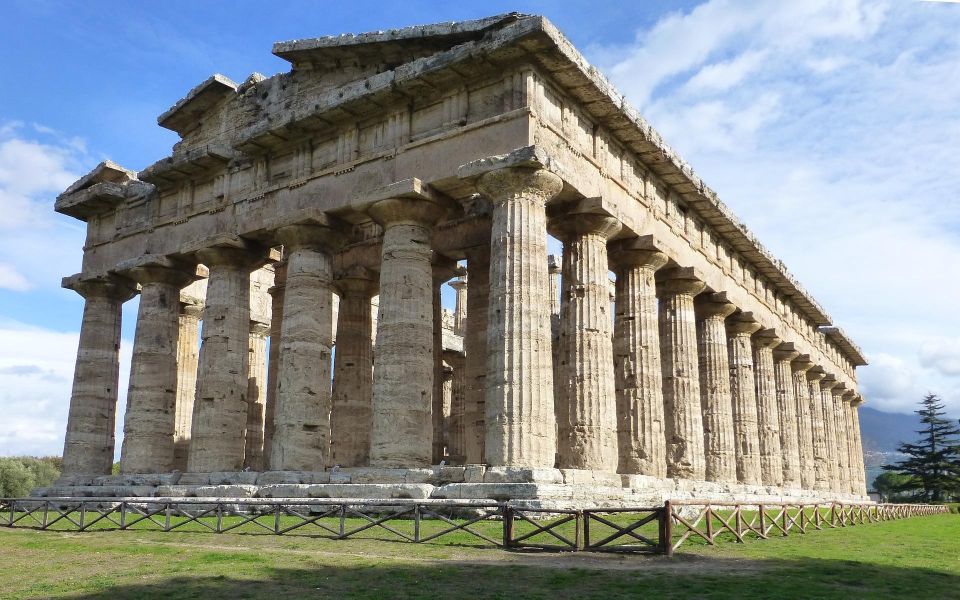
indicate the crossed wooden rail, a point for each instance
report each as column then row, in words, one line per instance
column 658, row 530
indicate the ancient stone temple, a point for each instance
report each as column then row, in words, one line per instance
column 290, row 253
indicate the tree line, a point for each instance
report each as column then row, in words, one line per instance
column 20, row 474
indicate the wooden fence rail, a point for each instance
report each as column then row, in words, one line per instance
column 659, row 529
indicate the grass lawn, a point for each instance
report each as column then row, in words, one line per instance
column 911, row 558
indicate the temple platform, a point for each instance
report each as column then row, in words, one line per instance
column 536, row 488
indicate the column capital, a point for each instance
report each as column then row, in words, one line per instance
column 815, row 374
column 357, row 281
column 857, row 401
column 443, row 268
column 848, row 396
column 279, row 278
column 111, row 287
column 802, row 363
column 553, row 267
column 249, row 257
column 766, row 338
column 639, row 251
column 680, row 281
column 742, row 323
column 714, row 305
column 829, row 382
column 577, row 224
column 785, row 352
column 189, row 309
column 259, row 329
column 521, row 173
column 315, row 236
column 460, row 283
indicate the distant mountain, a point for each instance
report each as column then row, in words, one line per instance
column 882, row 432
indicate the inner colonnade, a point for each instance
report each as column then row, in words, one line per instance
column 290, row 317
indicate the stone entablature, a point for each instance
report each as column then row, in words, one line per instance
column 388, row 157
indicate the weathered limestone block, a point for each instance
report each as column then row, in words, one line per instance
column 301, row 430
column 522, row 475
column 277, row 293
column 716, row 400
column 519, row 420
column 683, row 423
column 188, row 357
column 475, row 348
column 220, row 409
column 351, row 415
column 636, row 355
column 827, row 413
column 787, row 408
column 150, row 420
column 801, row 392
column 403, row 375
column 586, row 410
column 256, row 397
column 821, row 458
column 768, row 415
column 89, row 443
column 746, row 432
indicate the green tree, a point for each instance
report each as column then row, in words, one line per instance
column 932, row 466
column 889, row 483
column 20, row 474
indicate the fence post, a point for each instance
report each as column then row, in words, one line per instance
column 416, row 523
column 586, row 530
column 667, row 528
column 507, row 526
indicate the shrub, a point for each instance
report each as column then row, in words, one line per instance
column 20, row 474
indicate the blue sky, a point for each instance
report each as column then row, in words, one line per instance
column 830, row 127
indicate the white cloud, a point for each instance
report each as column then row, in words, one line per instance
column 830, row 128
column 11, row 279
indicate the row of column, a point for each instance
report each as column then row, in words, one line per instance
column 682, row 388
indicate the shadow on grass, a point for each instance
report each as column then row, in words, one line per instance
column 681, row 577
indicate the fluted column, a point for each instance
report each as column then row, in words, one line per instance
column 683, row 423
column 301, row 434
column 89, row 442
column 716, row 401
column 636, row 356
column 787, row 407
column 852, row 460
column 273, row 356
column 220, row 409
column 821, row 458
column 746, row 431
column 768, row 415
column 475, row 348
column 350, row 418
column 455, row 429
column 587, row 419
column 830, row 430
column 443, row 270
column 403, row 375
column 861, row 475
column 520, row 420
column 843, row 447
column 801, row 392
column 256, row 397
column 188, row 355
column 459, row 286
column 150, row 420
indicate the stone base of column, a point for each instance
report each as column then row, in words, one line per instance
column 539, row 488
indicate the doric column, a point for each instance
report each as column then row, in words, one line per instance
column 830, row 430
column 459, row 286
column 716, row 401
column 636, row 357
column 150, row 420
column 220, row 409
column 256, row 397
column 787, row 407
column 853, row 465
column 188, row 355
column 768, row 415
column 455, row 429
column 443, row 270
column 842, row 460
column 683, row 423
column 587, row 418
column 89, row 442
column 554, row 269
column 801, row 392
column 403, row 375
column 746, row 431
column 520, row 420
column 475, row 348
column 351, row 416
column 821, row 464
column 273, row 356
column 301, row 420
column 861, row 475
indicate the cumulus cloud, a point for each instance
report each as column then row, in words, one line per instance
column 830, row 128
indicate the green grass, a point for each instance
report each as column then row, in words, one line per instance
column 911, row 558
